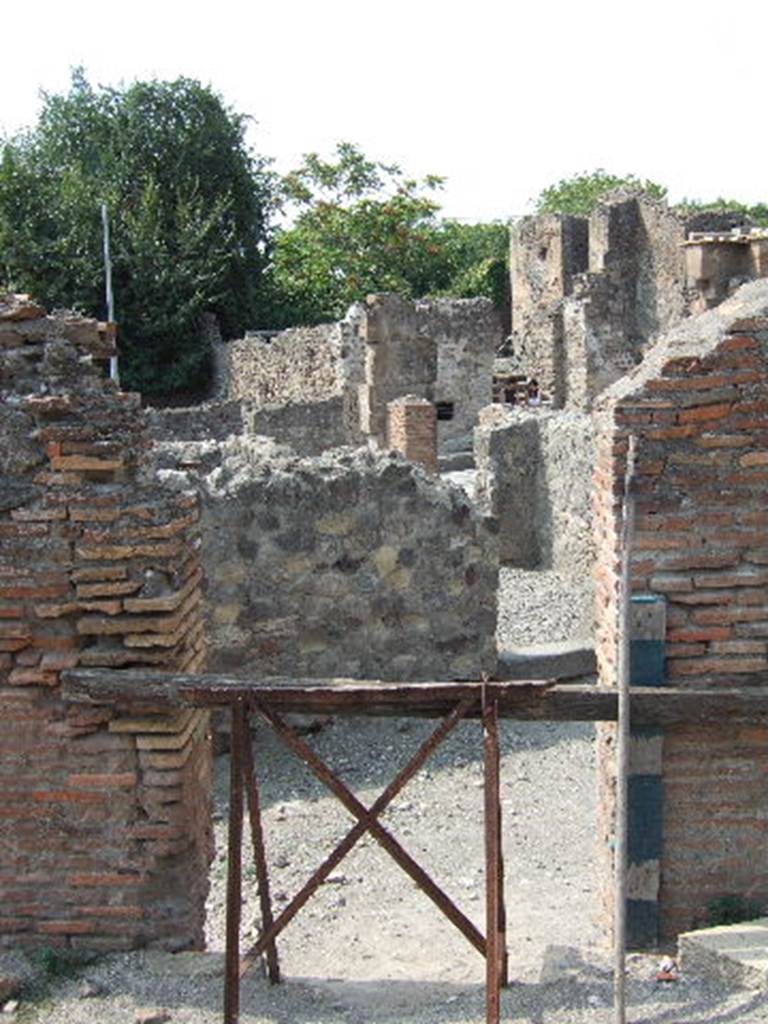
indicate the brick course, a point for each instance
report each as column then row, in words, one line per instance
column 699, row 541
column 97, row 568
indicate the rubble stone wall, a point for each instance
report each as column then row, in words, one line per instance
column 534, row 471
column 355, row 564
column 209, row 420
column 467, row 333
column 590, row 295
column 697, row 406
column 308, row 427
column 105, row 838
column 299, row 365
column 400, row 359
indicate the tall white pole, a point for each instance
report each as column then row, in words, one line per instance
column 113, row 371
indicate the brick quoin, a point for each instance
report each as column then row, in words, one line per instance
column 98, row 568
column 700, row 542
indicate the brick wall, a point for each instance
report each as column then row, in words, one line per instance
column 105, row 823
column 412, row 430
column 698, row 405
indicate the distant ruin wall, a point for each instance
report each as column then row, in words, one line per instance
column 467, row 333
column 590, row 295
column 353, row 564
column 307, row 427
column 302, row 364
column 534, row 473
column 697, row 406
column 209, row 420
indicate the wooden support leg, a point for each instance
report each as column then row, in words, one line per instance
column 494, row 904
column 259, row 852
column 234, row 867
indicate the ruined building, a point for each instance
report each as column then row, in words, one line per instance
column 275, row 531
column 590, row 293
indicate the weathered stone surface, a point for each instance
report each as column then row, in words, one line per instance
column 734, row 954
column 565, row 660
column 590, row 295
column 534, row 474
column 354, row 561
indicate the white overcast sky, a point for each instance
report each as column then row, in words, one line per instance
column 501, row 98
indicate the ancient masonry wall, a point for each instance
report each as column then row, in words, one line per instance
column 467, row 333
column 534, row 475
column 590, row 295
column 308, row 427
column 299, row 369
column 316, row 388
column 698, row 405
column 354, row 564
column 105, row 838
column 400, row 360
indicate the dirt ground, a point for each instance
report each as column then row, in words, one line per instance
column 370, row 948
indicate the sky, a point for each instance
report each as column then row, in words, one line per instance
column 501, row 98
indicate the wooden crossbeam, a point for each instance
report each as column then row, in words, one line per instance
column 526, row 701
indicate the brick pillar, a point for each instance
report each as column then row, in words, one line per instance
column 412, row 430
column 697, row 407
column 104, row 819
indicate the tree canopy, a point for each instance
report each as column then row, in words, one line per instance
column 582, row 192
column 188, row 205
column 363, row 226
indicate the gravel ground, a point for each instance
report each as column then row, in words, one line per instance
column 370, row 948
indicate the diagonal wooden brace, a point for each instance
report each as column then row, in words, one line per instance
column 367, row 821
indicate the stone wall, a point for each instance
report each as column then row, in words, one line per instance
column 534, row 471
column 590, row 295
column 105, row 838
column 207, row 421
column 308, row 427
column 302, row 364
column 354, row 564
column 386, row 347
column 697, row 405
column 467, row 333
column 400, row 359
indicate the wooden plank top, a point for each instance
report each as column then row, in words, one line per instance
column 525, row 700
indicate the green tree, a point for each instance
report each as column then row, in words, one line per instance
column 756, row 213
column 189, row 208
column 582, row 192
column 363, row 226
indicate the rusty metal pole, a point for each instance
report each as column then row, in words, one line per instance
column 622, row 746
column 494, row 951
column 234, row 867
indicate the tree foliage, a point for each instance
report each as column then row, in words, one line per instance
column 363, row 226
column 581, row 193
column 188, row 206
column 756, row 213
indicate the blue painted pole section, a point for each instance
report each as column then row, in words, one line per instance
column 645, row 796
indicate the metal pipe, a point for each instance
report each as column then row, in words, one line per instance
column 113, row 370
column 622, row 746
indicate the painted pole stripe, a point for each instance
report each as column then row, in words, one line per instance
column 645, row 791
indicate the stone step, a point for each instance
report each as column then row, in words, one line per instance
column 734, row 954
column 453, row 461
column 565, row 659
